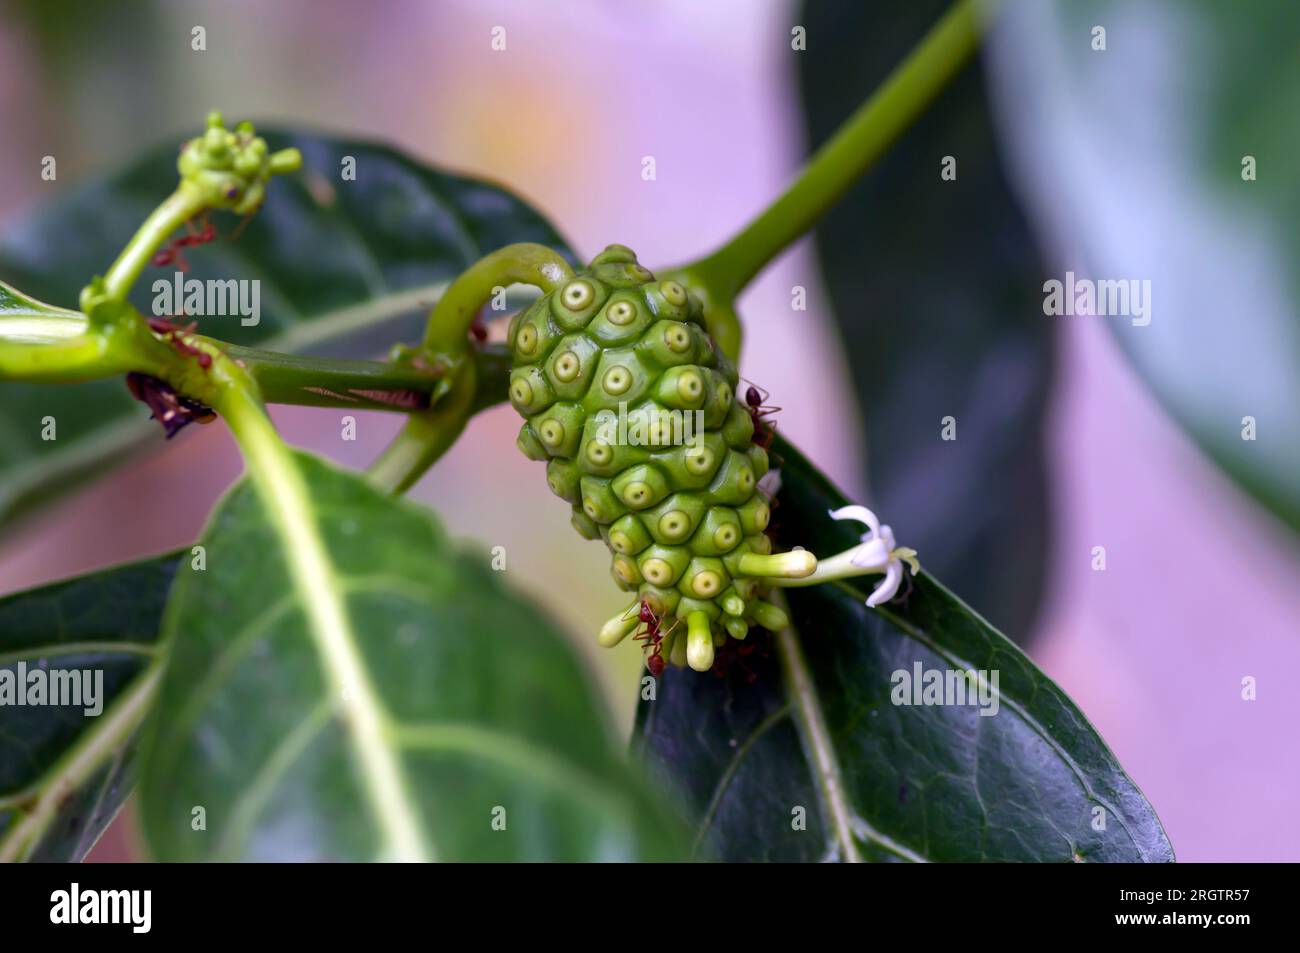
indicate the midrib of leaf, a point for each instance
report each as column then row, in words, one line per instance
column 61, row 649
column 286, row 500
column 811, row 720
column 820, row 749
column 956, row 661
column 77, row 767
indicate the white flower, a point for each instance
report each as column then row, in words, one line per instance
column 878, row 553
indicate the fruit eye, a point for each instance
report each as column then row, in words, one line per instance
column 552, row 432
column 567, row 366
column 677, row 338
column 527, row 340
column 599, row 453
column 690, row 386
column 706, row 583
column 617, row 380
column 577, row 295
column 621, row 312
column 658, row 571
column 673, row 293
column 674, row 524
column 521, row 392
column 725, row 537
column 701, row 462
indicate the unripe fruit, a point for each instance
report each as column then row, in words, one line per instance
column 634, row 409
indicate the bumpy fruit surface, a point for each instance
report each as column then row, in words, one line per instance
column 633, row 408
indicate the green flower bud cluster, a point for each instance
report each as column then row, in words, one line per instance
column 230, row 169
column 634, row 410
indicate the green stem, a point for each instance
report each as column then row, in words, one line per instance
column 447, row 333
column 839, row 163
column 181, row 206
column 427, row 436
column 333, row 382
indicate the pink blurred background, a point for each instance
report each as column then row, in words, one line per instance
column 1200, row 586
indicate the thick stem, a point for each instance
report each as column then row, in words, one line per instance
column 331, row 382
column 839, row 163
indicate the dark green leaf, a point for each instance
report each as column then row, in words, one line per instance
column 817, row 730
column 442, row 699
column 346, row 268
column 937, row 290
column 1191, row 89
column 64, row 774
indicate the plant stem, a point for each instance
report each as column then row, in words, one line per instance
column 178, row 208
column 332, row 382
column 447, row 333
column 426, row 437
column 839, row 163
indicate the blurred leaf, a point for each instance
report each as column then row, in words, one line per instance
column 65, row 774
column 816, row 729
column 1131, row 164
column 25, row 320
column 346, row 268
column 937, row 291
column 475, row 698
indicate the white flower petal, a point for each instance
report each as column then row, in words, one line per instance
column 872, row 555
column 888, row 587
column 860, row 514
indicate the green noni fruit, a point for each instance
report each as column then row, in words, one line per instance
column 634, row 410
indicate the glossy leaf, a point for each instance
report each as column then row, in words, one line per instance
column 816, row 739
column 936, row 286
column 1200, row 208
column 273, row 726
column 346, row 267
column 64, row 774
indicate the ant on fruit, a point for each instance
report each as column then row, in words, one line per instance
column 653, row 638
column 175, row 334
column 759, row 410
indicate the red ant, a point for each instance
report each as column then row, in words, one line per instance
column 653, row 638
column 171, row 255
column 173, row 333
column 756, row 403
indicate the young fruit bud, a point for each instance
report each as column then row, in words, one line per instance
column 637, row 414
